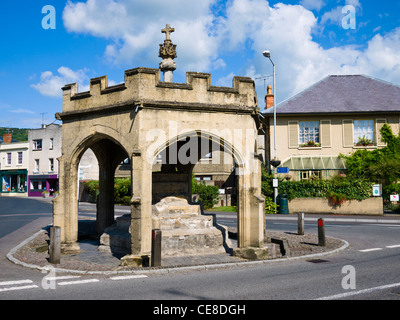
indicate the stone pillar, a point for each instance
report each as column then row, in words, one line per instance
column 167, row 66
column 141, row 211
column 105, row 203
column 65, row 206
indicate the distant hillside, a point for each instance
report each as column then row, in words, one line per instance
column 17, row 133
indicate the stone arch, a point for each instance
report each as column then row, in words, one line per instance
column 216, row 142
column 109, row 153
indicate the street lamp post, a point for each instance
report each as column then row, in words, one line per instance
column 276, row 162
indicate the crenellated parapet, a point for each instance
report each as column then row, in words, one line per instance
column 144, row 87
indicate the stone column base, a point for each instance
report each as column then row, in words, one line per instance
column 131, row 260
column 70, row 248
column 251, row 253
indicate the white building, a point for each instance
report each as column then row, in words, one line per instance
column 44, row 149
column 14, row 160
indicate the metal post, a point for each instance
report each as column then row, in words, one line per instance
column 275, row 169
column 321, row 233
column 300, row 223
column 55, row 245
column 156, row 248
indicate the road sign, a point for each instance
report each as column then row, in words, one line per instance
column 282, row 170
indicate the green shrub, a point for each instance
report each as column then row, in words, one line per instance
column 208, row 195
column 92, row 188
column 270, row 206
column 122, row 190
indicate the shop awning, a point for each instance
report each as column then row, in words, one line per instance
column 314, row 163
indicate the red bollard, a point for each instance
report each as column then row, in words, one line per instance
column 321, row 233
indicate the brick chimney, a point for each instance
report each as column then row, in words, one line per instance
column 7, row 137
column 269, row 98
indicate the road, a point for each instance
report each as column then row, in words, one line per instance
column 368, row 269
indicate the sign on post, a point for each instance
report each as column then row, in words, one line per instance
column 376, row 190
column 282, row 170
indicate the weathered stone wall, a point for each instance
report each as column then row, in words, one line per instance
column 370, row 206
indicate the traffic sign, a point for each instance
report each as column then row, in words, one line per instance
column 282, row 170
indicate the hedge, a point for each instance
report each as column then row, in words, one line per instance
column 337, row 190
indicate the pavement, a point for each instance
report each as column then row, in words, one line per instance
column 33, row 252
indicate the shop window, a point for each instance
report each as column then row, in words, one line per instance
column 13, row 183
column 38, row 185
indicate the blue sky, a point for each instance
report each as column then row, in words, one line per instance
column 308, row 40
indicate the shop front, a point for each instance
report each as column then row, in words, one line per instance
column 43, row 185
column 13, row 181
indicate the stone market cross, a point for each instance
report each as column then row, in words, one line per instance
column 144, row 118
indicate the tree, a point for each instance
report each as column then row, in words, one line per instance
column 208, row 195
column 379, row 165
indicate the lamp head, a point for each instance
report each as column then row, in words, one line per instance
column 266, row 54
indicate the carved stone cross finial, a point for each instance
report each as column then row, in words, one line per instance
column 168, row 30
column 168, row 53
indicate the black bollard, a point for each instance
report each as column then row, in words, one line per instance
column 156, row 248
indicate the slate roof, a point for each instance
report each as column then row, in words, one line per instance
column 343, row 94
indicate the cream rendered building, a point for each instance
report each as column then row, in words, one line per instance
column 337, row 115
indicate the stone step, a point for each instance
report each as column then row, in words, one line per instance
column 174, row 222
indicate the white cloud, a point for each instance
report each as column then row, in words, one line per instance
column 206, row 38
column 21, row 110
column 50, row 85
column 312, row 4
column 134, row 29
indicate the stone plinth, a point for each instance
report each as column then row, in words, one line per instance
column 185, row 231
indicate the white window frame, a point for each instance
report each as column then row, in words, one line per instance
column 309, row 130
column 365, row 129
column 36, row 144
column 20, row 159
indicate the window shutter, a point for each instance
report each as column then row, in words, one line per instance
column 293, row 134
column 326, row 133
column 379, row 125
column 348, row 138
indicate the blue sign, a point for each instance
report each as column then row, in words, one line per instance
column 282, row 170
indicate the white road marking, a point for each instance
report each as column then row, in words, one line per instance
column 128, row 277
column 10, row 283
column 369, row 250
column 393, row 246
column 62, row 277
column 353, row 293
column 66, row 283
column 19, row 288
